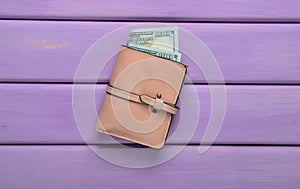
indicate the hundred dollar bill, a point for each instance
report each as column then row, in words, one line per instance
column 165, row 38
column 175, row 56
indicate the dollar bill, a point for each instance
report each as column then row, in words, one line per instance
column 161, row 42
column 175, row 56
column 165, row 38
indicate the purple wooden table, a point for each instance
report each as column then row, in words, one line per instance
column 256, row 44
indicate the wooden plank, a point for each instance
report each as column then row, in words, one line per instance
column 42, row 113
column 39, row 51
column 221, row 167
column 189, row 10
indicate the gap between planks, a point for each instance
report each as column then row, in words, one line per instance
column 106, row 83
column 153, row 21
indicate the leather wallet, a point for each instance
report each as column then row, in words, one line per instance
column 141, row 97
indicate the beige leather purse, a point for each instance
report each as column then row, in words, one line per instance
column 141, row 98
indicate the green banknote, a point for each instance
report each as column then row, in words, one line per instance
column 175, row 56
column 165, row 38
column 162, row 42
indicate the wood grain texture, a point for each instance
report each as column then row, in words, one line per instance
column 35, row 51
column 42, row 113
column 221, row 167
column 142, row 10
